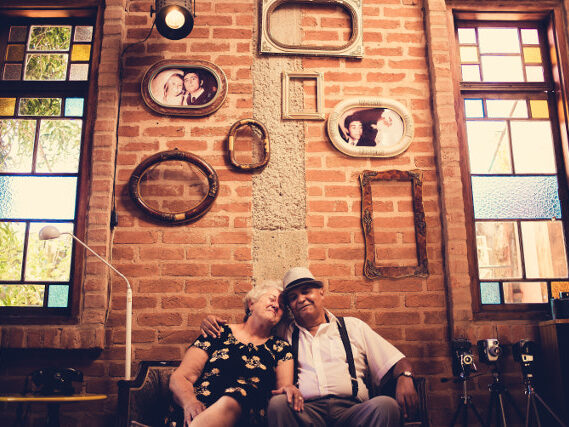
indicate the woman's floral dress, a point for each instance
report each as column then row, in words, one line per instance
column 245, row 372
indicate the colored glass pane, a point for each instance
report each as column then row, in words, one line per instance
column 506, row 108
column 16, row 145
column 532, row 145
column 498, row 250
column 80, row 52
column 544, row 249
column 557, row 287
column 12, row 72
column 532, row 55
column 473, row 108
column 15, row 52
column 7, row 106
column 488, row 147
column 49, row 260
column 79, row 72
column 466, row 36
column 49, row 37
column 83, row 33
column 46, row 66
column 530, row 36
column 12, row 244
column 525, row 292
column 498, row 40
column 57, row 296
column 539, row 109
column 59, row 145
column 37, row 197
column 527, row 197
column 74, row 107
column 534, row 73
column 21, row 295
column 490, row 293
column 502, row 68
column 40, row 107
column 18, row 34
column 468, row 54
column 470, row 73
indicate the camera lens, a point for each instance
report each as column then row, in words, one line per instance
column 467, row 359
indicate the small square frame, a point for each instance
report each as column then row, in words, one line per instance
column 371, row 269
column 303, row 115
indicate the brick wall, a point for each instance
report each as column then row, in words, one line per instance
column 181, row 273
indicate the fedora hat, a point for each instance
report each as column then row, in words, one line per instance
column 299, row 276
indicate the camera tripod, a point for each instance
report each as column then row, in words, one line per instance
column 531, row 403
column 497, row 393
column 465, row 403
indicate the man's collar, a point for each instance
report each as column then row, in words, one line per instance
column 330, row 318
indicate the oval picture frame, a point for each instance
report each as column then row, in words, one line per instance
column 164, row 88
column 189, row 215
column 385, row 127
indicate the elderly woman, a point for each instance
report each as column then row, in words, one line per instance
column 228, row 379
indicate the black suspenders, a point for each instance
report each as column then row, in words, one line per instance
column 348, row 349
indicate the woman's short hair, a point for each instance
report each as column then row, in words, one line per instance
column 258, row 291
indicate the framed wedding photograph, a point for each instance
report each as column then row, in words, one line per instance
column 184, row 87
column 370, row 127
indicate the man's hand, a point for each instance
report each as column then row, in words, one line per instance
column 292, row 396
column 406, row 396
column 211, row 326
column 191, row 410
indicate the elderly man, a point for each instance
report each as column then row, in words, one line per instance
column 334, row 356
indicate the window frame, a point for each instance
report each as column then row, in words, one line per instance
column 555, row 88
column 91, row 12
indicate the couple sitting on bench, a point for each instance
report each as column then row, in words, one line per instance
column 227, row 376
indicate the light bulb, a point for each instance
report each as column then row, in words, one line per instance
column 174, row 19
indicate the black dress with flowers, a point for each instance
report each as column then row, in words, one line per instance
column 245, row 372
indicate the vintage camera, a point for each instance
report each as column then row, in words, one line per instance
column 524, row 352
column 462, row 359
column 560, row 307
column 489, row 350
column 54, row 381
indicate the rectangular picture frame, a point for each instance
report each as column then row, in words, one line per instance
column 371, row 269
column 287, row 112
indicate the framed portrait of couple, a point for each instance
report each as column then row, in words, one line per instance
column 184, row 87
column 370, row 127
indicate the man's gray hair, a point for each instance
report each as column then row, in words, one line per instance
column 257, row 292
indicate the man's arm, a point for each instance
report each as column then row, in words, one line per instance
column 405, row 392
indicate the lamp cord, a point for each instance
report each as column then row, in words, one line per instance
column 114, row 218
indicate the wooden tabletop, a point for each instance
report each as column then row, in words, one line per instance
column 51, row 399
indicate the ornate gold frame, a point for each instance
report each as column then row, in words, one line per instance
column 371, row 270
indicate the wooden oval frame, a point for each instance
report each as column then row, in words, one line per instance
column 184, row 110
column 266, row 144
column 371, row 103
column 190, row 215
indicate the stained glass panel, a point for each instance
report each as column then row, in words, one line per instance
column 59, row 145
column 506, row 108
column 525, row 292
column 12, row 244
column 21, row 295
column 79, row 72
column 473, row 108
column 57, row 296
column 49, row 38
column 16, row 145
column 466, row 36
column 502, row 68
column 498, row 250
column 539, row 109
column 470, row 73
column 15, row 52
column 490, row 293
column 74, row 107
column 49, row 260
column 37, row 197
column 18, row 34
column 80, row 52
column 525, row 197
column 532, row 144
column 468, row 54
column 534, row 73
column 488, row 145
column 557, row 287
column 498, row 40
column 40, row 107
column 12, row 72
column 532, row 55
column 83, row 33
column 46, row 66
column 530, row 36
column 7, row 106
column 544, row 249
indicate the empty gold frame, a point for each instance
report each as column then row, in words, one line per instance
column 371, row 269
column 301, row 115
column 352, row 48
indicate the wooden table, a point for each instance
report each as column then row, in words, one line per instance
column 53, row 402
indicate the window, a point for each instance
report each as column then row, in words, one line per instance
column 516, row 177
column 44, row 81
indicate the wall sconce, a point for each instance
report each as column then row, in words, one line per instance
column 174, row 19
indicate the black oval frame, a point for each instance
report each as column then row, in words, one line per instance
column 190, row 215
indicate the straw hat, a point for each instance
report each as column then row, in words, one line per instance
column 299, row 276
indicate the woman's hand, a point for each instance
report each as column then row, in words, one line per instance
column 211, row 326
column 191, row 410
column 293, row 396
